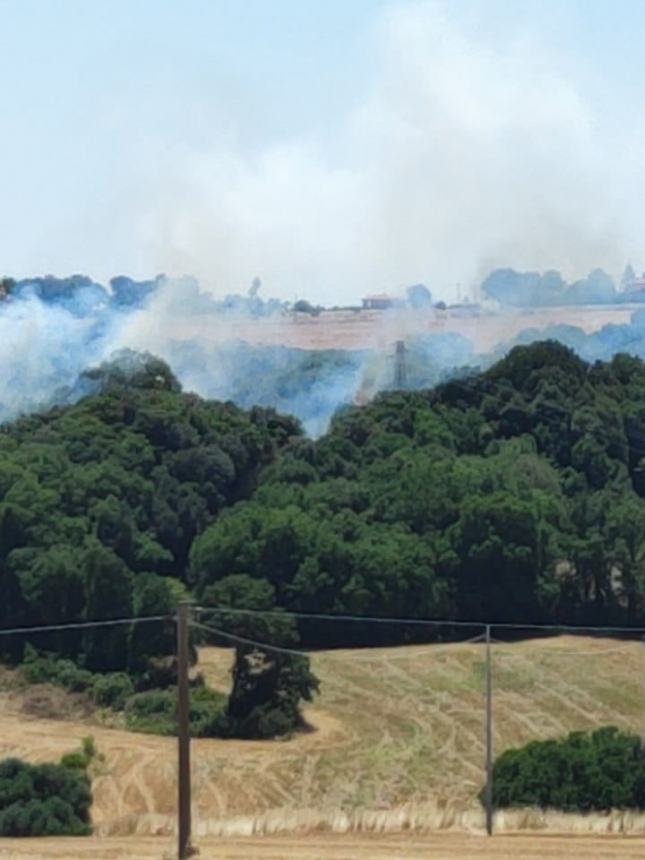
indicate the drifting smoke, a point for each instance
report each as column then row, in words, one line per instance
column 461, row 157
column 52, row 331
column 462, row 152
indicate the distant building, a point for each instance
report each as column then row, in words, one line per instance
column 379, row 302
column 465, row 309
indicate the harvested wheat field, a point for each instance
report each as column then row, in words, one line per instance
column 396, row 745
column 443, row 846
column 355, row 330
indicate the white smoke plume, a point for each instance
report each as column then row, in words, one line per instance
column 461, row 157
column 463, row 154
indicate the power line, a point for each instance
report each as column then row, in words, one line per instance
column 361, row 657
column 321, row 616
column 426, row 622
column 316, row 616
column 80, row 625
column 243, row 640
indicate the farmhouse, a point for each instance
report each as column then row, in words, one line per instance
column 379, row 302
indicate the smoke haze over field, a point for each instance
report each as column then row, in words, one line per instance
column 332, row 149
column 427, row 141
column 52, row 331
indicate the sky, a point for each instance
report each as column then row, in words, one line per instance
column 332, row 149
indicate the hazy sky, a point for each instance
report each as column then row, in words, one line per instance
column 330, row 148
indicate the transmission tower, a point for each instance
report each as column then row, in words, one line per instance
column 400, row 365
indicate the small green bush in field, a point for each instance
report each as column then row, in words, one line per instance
column 155, row 712
column 82, row 758
column 585, row 771
column 112, row 690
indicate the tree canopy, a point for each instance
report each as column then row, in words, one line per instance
column 100, row 504
column 512, row 495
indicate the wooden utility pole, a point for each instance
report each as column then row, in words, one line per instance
column 183, row 731
column 489, row 738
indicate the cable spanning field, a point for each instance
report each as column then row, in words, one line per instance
column 396, row 744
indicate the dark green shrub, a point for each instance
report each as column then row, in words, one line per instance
column 82, row 758
column 155, row 712
column 74, row 760
column 601, row 770
column 112, row 690
column 43, row 800
column 72, row 678
column 47, row 669
column 152, row 712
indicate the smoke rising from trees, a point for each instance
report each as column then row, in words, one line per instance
column 53, row 330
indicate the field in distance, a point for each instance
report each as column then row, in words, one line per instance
column 396, row 744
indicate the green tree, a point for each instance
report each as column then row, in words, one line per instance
column 108, row 584
column 268, row 685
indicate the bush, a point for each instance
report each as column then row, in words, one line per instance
column 82, row 758
column 155, row 712
column 43, row 800
column 72, row 678
column 112, row 690
column 601, row 770
column 47, row 669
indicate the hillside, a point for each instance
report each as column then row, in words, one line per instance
column 100, row 503
column 513, row 495
column 397, row 740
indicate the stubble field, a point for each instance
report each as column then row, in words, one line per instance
column 391, row 767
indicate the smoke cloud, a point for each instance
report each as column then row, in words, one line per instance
column 51, row 331
column 463, row 156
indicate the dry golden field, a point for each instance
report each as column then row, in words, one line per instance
column 440, row 846
column 354, row 330
column 391, row 767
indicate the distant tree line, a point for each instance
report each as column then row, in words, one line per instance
column 535, row 289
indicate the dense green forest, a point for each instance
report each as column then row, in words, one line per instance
column 513, row 495
column 101, row 503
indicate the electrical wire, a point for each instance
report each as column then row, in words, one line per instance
column 321, row 616
column 426, row 622
column 355, row 658
column 81, row 625
column 315, row 616
column 243, row 640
